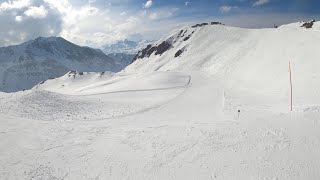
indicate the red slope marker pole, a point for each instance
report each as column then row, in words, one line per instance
column 290, row 86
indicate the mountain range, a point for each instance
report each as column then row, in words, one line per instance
column 125, row 46
column 25, row 65
column 124, row 51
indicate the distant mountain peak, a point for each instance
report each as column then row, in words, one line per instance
column 125, row 46
column 52, row 39
column 25, row 65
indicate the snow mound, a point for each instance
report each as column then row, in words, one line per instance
column 78, row 83
column 79, row 96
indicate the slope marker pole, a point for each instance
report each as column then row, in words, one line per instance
column 291, row 96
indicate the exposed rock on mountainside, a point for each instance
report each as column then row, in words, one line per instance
column 180, row 51
column 205, row 24
column 216, row 23
column 308, row 25
column 200, row 25
column 164, row 45
column 157, row 50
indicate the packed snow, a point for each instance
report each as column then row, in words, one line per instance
column 219, row 110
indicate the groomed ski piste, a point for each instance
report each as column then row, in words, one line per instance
column 167, row 117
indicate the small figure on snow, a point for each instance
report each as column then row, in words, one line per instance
column 238, row 113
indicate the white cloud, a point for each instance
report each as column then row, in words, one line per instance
column 17, row 4
column 154, row 16
column 260, row 3
column 94, row 26
column 36, row 12
column 148, row 4
column 18, row 18
column 18, row 27
column 186, row 3
column 163, row 13
column 226, row 9
column 63, row 6
column 82, row 23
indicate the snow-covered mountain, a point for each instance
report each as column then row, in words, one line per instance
column 185, row 47
column 124, row 51
column 122, row 58
column 125, row 46
column 23, row 66
column 255, row 59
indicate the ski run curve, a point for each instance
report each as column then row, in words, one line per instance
column 171, row 141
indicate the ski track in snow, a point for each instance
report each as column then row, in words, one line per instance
column 169, row 142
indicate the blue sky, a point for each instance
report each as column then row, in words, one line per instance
column 213, row 8
column 96, row 22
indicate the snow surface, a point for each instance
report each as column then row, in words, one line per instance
column 102, row 83
column 181, row 122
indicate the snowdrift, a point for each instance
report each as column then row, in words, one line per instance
column 79, row 96
column 78, row 83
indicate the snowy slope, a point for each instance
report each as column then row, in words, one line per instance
column 94, row 96
column 75, row 83
column 166, row 134
column 25, row 65
column 176, row 118
column 254, row 61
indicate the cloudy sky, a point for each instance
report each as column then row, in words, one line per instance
column 96, row 22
